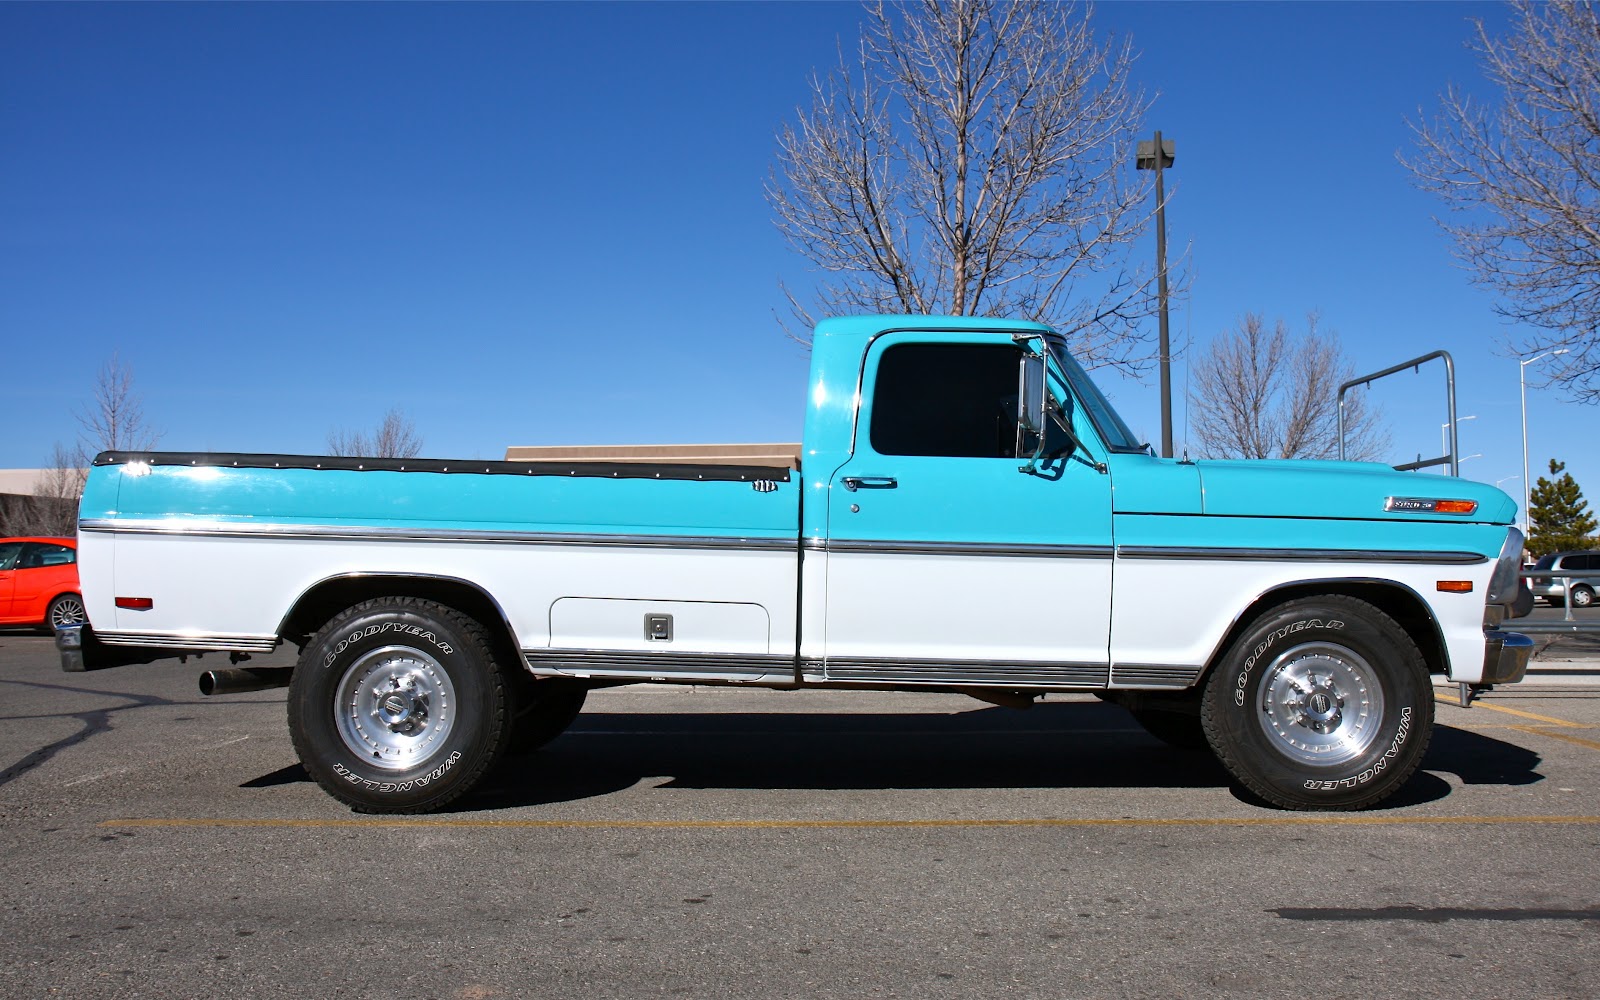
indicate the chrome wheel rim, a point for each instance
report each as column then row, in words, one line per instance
column 395, row 707
column 1582, row 598
column 67, row 611
column 1320, row 704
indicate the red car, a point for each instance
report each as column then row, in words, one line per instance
column 39, row 582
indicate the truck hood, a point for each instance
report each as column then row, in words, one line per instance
column 1295, row 488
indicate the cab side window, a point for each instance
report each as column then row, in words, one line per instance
column 946, row 400
column 9, row 551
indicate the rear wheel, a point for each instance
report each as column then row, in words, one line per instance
column 397, row 705
column 1323, row 703
column 1582, row 597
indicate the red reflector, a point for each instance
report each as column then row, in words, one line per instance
column 136, row 603
column 1455, row 586
column 1456, row 506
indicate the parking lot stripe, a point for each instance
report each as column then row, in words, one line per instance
column 829, row 824
column 1556, row 735
column 1520, row 713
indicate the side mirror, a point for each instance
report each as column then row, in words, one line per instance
column 1032, row 400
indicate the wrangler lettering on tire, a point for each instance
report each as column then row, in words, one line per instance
column 397, row 705
column 1322, row 703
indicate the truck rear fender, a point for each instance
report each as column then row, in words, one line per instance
column 1396, row 600
column 331, row 596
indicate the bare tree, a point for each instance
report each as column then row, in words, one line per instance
column 1261, row 394
column 115, row 419
column 973, row 157
column 52, row 507
column 395, row 437
column 57, row 490
column 1522, row 181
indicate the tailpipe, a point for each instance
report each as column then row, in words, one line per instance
column 238, row 680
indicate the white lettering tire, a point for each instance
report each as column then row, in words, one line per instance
column 1322, row 703
column 397, row 706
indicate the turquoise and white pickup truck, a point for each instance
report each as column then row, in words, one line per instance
column 967, row 513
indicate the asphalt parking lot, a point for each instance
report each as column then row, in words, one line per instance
column 778, row 844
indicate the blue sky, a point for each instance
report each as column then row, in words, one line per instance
column 543, row 223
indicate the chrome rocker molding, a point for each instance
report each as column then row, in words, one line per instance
column 228, row 529
column 557, row 662
column 1221, row 554
column 779, row 668
column 184, row 640
column 1154, row 675
column 987, row 673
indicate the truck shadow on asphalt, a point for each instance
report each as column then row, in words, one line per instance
column 1050, row 746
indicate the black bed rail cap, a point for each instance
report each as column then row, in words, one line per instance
column 450, row 466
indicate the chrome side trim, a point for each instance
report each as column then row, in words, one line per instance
column 182, row 640
column 958, row 548
column 649, row 663
column 1153, row 675
column 1298, row 555
column 365, row 533
column 1009, row 673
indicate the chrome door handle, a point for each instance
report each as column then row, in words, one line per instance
column 853, row 483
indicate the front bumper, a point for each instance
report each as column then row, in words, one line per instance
column 1505, row 657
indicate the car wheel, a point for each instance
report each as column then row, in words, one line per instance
column 1322, row 703
column 545, row 708
column 65, row 610
column 1557, row 602
column 1582, row 597
column 398, row 706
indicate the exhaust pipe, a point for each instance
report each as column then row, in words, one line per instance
column 241, row 679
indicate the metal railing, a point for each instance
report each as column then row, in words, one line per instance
column 1568, row 624
column 1450, row 458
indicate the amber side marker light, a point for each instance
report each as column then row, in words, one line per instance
column 1455, row 586
column 1456, row 506
column 136, row 603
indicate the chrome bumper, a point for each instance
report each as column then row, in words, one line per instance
column 1505, row 657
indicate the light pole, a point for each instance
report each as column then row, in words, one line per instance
column 1444, row 436
column 1522, row 377
column 1147, row 157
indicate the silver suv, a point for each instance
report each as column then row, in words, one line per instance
column 1584, row 568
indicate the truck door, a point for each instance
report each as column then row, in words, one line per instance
column 946, row 563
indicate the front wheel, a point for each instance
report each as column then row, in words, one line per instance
column 1322, row 703
column 397, row 706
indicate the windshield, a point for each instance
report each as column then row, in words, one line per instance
column 1112, row 430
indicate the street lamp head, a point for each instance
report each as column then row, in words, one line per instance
column 1546, row 354
column 1144, row 158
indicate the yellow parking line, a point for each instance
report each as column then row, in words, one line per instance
column 826, row 824
column 1525, row 715
column 1568, row 737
